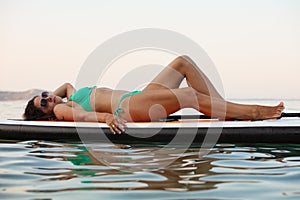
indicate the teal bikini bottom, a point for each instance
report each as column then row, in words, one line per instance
column 119, row 109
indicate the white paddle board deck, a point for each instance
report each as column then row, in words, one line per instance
column 284, row 130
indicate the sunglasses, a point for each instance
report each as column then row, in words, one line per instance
column 44, row 101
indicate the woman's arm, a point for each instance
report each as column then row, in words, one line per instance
column 68, row 113
column 66, row 90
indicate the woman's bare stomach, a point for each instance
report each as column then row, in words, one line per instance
column 105, row 99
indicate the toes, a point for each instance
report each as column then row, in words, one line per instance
column 281, row 104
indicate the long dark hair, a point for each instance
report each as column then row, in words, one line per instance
column 34, row 113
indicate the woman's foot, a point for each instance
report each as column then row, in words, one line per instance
column 268, row 112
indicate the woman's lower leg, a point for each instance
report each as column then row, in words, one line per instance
column 227, row 110
column 194, row 76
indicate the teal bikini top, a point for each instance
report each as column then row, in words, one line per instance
column 82, row 97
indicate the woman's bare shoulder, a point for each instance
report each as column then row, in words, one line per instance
column 65, row 111
column 67, row 106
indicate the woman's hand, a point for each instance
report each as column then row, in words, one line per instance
column 116, row 124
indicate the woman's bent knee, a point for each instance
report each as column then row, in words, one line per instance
column 183, row 59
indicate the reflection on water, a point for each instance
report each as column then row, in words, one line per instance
column 44, row 170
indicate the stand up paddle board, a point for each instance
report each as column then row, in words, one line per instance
column 284, row 130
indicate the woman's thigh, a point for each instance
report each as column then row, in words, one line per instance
column 168, row 78
column 154, row 104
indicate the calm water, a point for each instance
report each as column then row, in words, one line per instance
column 56, row 170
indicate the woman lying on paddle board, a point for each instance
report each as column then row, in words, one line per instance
column 158, row 99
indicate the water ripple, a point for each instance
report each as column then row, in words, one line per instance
column 36, row 169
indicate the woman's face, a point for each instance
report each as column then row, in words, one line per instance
column 46, row 102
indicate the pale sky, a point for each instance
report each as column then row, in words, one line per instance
column 254, row 44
